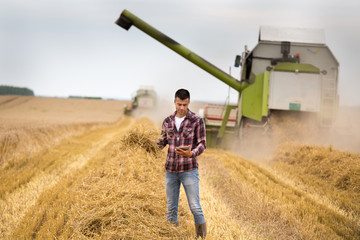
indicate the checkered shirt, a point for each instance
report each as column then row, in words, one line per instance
column 191, row 133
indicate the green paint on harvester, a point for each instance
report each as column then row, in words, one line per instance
column 295, row 106
column 225, row 120
column 255, row 98
column 296, row 67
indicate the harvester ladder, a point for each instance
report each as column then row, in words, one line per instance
column 328, row 106
column 224, row 122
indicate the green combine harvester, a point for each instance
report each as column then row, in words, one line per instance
column 144, row 98
column 289, row 72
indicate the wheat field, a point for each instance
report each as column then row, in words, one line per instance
column 79, row 169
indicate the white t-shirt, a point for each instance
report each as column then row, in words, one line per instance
column 178, row 122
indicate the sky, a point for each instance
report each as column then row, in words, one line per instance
column 63, row 48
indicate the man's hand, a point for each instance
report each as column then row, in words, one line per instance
column 186, row 153
column 162, row 141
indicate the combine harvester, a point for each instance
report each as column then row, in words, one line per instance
column 289, row 72
column 144, row 98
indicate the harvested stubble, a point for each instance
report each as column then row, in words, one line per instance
column 119, row 194
column 274, row 206
column 29, row 124
column 21, row 162
column 325, row 171
column 126, row 198
column 25, row 186
column 17, row 143
column 251, row 192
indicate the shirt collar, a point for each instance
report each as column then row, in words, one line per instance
column 189, row 115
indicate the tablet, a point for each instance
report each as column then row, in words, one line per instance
column 183, row 148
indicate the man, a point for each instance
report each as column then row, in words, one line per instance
column 183, row 129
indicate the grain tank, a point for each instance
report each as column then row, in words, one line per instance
column 289, row 71
column 295, row 71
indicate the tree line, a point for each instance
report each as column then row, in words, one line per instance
column 9, row 90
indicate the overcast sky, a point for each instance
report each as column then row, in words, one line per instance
column 73, row 47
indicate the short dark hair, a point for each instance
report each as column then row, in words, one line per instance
column 182, row 94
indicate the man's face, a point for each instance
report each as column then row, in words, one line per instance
column 181, row 106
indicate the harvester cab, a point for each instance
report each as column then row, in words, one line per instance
column 290, row 71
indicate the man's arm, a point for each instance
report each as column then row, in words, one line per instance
column 162, row 141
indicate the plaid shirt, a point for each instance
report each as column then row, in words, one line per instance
column 191, row 133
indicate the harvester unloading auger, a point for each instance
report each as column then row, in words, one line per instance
column 289, row 71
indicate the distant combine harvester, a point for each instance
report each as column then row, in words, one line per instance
column 144, row 98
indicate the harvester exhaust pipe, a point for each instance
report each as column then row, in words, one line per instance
column 127, row 19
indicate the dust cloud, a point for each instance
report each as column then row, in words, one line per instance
column 344, row 134
column 158, row 113
column 259, row 146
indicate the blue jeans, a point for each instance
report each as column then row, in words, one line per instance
column 190, row 181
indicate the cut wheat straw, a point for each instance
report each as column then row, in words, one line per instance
column 125, row 199
column 329, row 172
column 142, row 136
